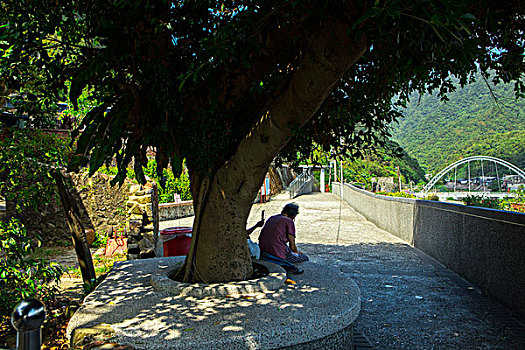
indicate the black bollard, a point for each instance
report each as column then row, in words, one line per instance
column 27, row 318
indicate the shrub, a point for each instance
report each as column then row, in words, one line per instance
column 396, row 194
column 25, row 158
column 401, row 194
column 20, row 274
column 432, row 197
column 516, row 203
column 168, row 184
column 180, row 185
column 480, row 201
column 172, row 184
column 100, row 240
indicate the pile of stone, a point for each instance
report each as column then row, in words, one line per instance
column 141, row 241
column 139, row 203
column 141, row 237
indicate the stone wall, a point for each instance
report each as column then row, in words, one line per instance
column 104, row 207
column 172, row 211
column 101, row 206
column 104, row 204
column 485, row 246
column 49, row 221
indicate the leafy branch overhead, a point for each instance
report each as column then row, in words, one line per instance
column 193, row 78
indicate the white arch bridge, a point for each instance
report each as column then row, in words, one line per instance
column 484, row 191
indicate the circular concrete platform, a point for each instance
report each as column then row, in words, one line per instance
column 315, row 313
column 273, row 281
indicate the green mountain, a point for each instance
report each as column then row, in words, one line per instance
column 383, row 163
column 472, row 122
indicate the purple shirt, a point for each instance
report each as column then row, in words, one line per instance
column 274, row 235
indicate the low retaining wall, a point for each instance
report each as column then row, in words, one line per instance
column 172, row 211
column 485, row 246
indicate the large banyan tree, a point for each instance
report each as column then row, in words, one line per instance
column 229, row 85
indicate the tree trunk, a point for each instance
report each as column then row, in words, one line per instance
column 77, row 230
column 222, row 202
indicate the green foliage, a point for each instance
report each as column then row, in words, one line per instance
column 397, row 194
column 432, row 197
column 383, row 162
column 193, row 79
column 103, row 265
column 480, row 201
column 516, row 203
column 71, row 117
column 208, row 81
column 168, row 183
column 22, row 276
column 471, row 123
column 100, row 240
column 26, row 159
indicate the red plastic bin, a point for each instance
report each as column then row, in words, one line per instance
column 176, row 240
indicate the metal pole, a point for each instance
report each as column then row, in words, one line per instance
column 455, row 178
column 330, row 176
column 321, row 176
column 341, row 166
column 483, row 176
column 342, row 180
column 497, row 176
column 27, row 318
column 468, row 177
column 399, row 178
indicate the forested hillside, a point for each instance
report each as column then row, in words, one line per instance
column 383, row 163
column 473, row 122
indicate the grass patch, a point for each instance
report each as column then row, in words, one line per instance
column 103, row 264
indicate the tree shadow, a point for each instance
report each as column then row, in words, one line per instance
column 145, row 318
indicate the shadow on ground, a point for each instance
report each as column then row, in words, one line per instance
column 408, row 302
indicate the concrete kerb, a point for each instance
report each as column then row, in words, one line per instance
column 318, row 311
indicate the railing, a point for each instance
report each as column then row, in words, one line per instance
column 463, row 194
column 300, row 186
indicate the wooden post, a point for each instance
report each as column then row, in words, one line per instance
column 77, row 230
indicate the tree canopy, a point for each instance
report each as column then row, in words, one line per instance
column 229, row 85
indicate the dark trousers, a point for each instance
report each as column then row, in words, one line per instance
column 288, row 266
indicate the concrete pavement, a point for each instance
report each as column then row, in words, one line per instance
column 409, row 301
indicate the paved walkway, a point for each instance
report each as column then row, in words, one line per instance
column 409, row 301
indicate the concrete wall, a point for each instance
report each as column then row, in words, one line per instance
column 485, row 246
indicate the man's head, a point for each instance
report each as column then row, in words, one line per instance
column 291, row 210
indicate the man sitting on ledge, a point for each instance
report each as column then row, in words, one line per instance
column 277, row 240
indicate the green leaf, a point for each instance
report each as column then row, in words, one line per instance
column 86, row 140
column 469, row 16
